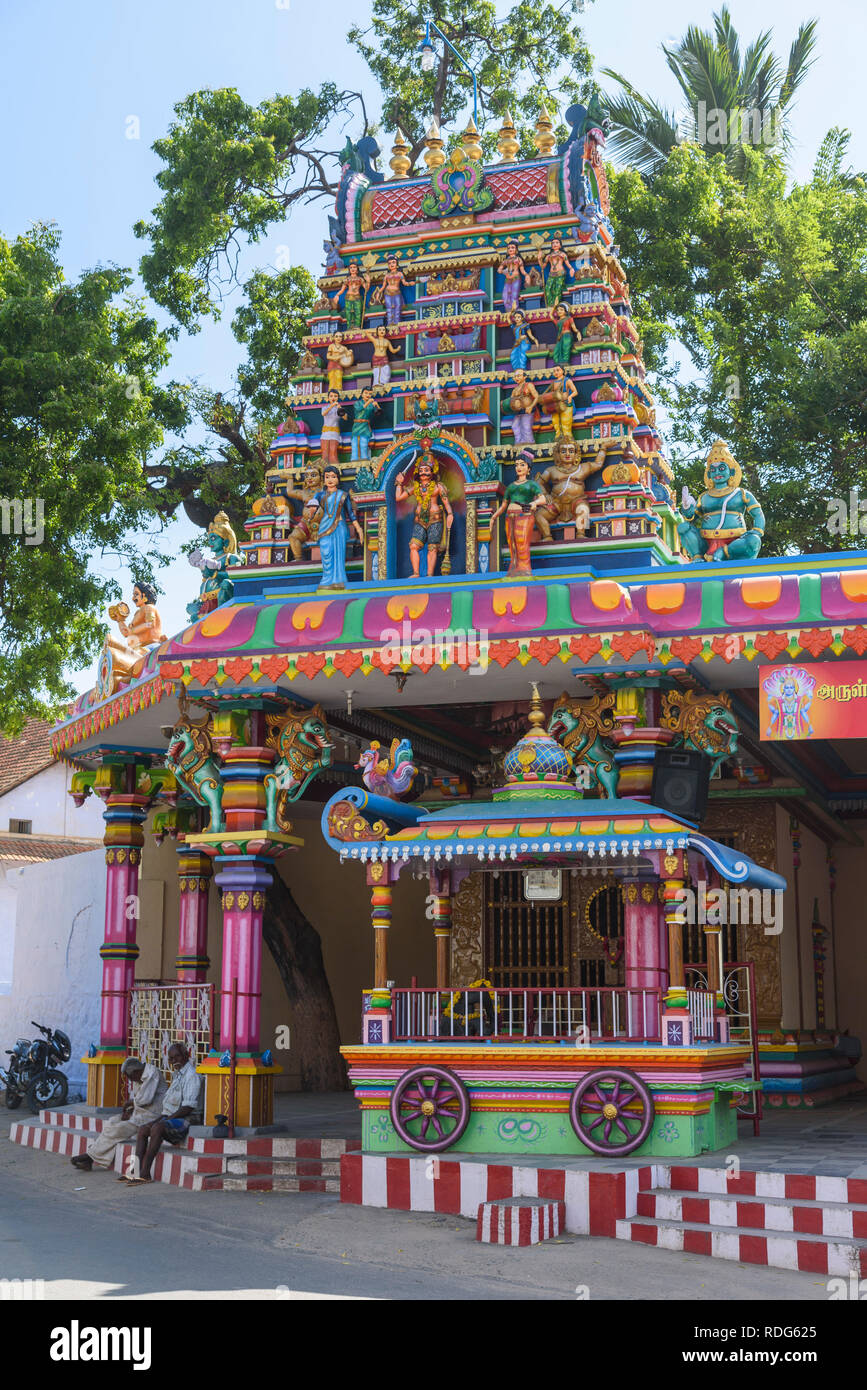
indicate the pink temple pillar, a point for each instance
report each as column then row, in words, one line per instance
column 125, row 813
column 244, row 885
column 194, row 881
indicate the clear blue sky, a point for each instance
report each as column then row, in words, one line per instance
column 74, row 73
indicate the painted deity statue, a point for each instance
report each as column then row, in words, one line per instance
column 306, row 529
column 329, row 438
column 353, row 294
column 726, row 523
column 557, row 264
column 432, row 517
column 513, row 271
column 273, row 503
column 523, row 400
column 121, row 655
column 337, row 517
column 564, row 480
column 568, row 333
column 559, row 399
column 339, row 357
column 362, row 427
column 524, row 336
column 216, row 587
column 390, row 289
column 522, row 503
column 382, row 346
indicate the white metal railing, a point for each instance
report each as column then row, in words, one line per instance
column 587, row 1014
column 702, row 1013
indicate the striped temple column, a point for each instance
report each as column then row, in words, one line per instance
column 194, row 882
column 380, row 914
column 125, row 812
column 676, row 1027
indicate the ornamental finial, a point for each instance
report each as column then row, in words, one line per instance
column 400, row 163
column 433, row 147
column 470, row 141
column 507, row 141
column 545, row 132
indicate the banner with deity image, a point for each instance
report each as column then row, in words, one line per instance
column 821, row 700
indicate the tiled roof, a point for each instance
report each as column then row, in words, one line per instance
column 31, row 849
column 24, row 756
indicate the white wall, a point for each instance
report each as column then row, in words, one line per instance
column 45, row 800
column 51, row 928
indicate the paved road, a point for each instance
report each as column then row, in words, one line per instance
column 109, row 1241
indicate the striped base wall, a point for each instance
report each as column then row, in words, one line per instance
column 263, row 1164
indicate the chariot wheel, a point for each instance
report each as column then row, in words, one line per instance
column 430, row 1109
column 611, row 1111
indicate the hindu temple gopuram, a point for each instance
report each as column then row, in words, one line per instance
column 526, row 727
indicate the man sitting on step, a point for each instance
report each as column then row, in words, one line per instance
column 147, row 1087
column 182, row 1106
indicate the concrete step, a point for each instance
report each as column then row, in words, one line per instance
column 281, row 1167
column 816, row 1254
column 261, row 1183
column 832, row 1219
column 803, row 1187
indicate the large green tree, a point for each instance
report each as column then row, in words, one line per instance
column 81, row 410
column 762, row 285
column 719, row 85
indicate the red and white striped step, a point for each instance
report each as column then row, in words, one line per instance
column 788, row 1220
column 519, row 1221
column 263, row 1163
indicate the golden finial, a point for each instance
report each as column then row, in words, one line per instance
column 399, row 163
column 536, row 717
column 545, row 132
column 433, row 147
column 470, row 141
column 507, row 142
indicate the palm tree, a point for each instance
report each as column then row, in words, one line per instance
column 715, row 83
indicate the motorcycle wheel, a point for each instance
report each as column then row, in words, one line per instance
column 13, row 1099
column 49, row 1088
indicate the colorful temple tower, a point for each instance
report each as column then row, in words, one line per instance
column 469, row 565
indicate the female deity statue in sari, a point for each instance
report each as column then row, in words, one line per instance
column 521, row 503
column 336, row 518
column 568, row 333
column 523, row 337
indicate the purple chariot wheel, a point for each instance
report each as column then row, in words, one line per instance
column 430, row 1109
column 611, row 1111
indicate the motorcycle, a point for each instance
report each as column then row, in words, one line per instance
column 32, row 1070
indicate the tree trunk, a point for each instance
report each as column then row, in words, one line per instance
column 297, row 951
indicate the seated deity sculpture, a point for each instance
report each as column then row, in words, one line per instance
column 726, row 523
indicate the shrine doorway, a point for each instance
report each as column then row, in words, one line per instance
column 401, row 517
column 526, row 944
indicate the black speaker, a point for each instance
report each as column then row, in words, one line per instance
column 680, row 782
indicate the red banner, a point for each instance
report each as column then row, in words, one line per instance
column 824, row 700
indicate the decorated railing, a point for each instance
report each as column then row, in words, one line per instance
column 161, row 1014
column 583, row 1015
